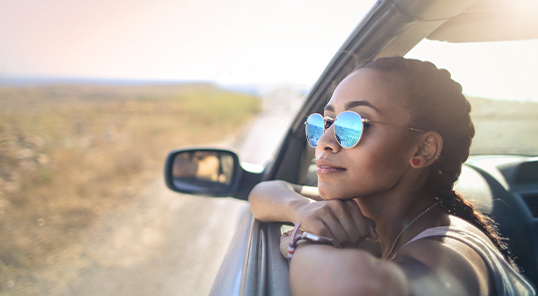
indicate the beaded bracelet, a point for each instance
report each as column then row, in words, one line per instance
column 295, row 238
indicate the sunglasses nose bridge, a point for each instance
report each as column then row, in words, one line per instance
column 327, row 124
column 329, row 140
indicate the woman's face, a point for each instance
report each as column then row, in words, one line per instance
column 382, row 156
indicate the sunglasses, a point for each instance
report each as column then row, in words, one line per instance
column 348, row 127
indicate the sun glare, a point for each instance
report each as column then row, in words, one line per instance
column 500, row 70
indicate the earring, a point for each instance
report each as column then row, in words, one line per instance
column 415, row 161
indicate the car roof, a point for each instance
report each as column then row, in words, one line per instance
column 491, row 20
column 394, row 27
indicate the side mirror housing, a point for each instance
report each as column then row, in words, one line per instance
column 208, row 171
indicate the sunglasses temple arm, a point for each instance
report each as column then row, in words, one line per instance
column 366, row 120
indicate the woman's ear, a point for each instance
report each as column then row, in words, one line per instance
column 429, row 149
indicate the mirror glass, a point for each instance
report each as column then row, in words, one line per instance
column 203, row 171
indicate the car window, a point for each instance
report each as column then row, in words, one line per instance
column 498, row 80
column 500, row 87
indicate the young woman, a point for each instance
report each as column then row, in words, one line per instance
column 389, row 147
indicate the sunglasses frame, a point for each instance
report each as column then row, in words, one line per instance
column 363, row 120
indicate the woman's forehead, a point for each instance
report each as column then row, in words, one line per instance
column 368, row 88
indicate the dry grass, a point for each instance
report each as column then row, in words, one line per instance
column 71, row 153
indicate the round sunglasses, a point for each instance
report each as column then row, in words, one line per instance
column 348, row 127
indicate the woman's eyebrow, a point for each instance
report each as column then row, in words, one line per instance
column 351, row 105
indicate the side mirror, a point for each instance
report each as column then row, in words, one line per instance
column 208, row 171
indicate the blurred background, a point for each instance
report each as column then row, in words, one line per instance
column 94, row 94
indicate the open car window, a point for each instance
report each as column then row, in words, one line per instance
column 499, row 86
column 498, row 80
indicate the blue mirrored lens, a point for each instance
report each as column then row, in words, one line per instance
column 314, row 129
column 348, row 129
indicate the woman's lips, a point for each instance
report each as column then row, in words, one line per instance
column 324, row 170
column 325, row 167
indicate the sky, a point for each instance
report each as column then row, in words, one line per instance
column 229, row 42
column 232, row 41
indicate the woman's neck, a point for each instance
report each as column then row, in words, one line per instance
column 393, row 212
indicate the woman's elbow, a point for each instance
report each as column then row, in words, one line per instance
column 259, row 199
column 254, row 200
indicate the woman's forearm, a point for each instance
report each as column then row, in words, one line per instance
column 277, row 201
column 324, row 270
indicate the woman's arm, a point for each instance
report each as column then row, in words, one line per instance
column 279, row 201
column 436, row 270
column 324, row 270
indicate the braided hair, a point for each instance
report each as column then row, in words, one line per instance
column 436, row 103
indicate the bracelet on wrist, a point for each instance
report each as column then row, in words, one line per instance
column 296, row 237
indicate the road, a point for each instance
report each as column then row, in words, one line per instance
column 163, row 243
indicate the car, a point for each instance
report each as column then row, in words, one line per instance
column 501, row 176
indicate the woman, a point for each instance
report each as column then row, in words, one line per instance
column 389, row 148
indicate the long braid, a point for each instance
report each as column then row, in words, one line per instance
column 437, row 104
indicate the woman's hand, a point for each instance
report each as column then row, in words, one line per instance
column 340, row 220
column 285, row 240
column 284, row 202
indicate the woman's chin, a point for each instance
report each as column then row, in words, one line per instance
column 331, row 193
column 328, row 193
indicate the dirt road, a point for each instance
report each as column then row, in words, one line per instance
column 162, row 243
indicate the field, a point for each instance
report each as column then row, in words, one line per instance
column 504, row 127
column 71, row 153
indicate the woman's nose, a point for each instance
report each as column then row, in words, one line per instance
column 328, row 142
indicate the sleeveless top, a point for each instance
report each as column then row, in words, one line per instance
column 507, row 280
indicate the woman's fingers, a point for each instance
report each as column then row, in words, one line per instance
column 340, row 220
column 373, row 233
column 325, row 224
column 344, row 215
column 284, row 243
column 337, row 231
column 317, row 218
column 365, row 225
column 316, row 226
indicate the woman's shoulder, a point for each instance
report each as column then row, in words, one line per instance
column 462, row 226
column 457, row 229
column 448, row 253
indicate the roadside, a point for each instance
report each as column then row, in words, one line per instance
column 72, row 155
column 159, row 242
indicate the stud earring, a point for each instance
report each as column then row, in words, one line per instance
column 415, row 161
